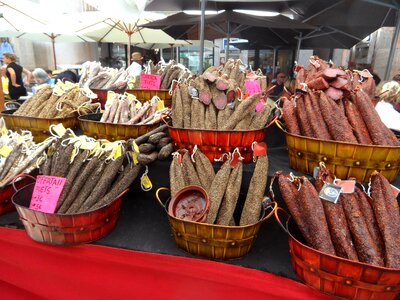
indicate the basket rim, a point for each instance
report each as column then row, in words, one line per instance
column 339, row 142
column 82, row 119
column 261, row 220
column 358, row 263
column 119, row 197
column 5, row 114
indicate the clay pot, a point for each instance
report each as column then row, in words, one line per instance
column 190, row 203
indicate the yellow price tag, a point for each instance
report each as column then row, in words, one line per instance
column 135, row 147
column 117, row 151
column 110, row 95
column 134, row 156
column 57, row 90
column 5, row 151
column 95, row 148
column 59, row 129
column 146, row 183
column 4, row 130
column 73, row 154
column 131, row 97
column 160, row 105
column 85, row 145
column 138, row 105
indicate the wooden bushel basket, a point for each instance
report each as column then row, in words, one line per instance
column 91, row 126
column 214, row 143
column 338, row 276
column 63, row 229
column 146, row 95
column 343, row 159
column 214, row 241
column 38, row 126
column 102, row 96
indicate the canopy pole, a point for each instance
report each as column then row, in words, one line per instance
column 228, row 38
column 54, row 51
column 202, row 22
column 129, row 49
column 393, row 46
column 274, row 61
column 298, row 46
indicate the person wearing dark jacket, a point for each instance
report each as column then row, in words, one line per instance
column 14, row 73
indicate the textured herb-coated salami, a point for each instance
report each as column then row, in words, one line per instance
column 290, row 117
column 366, row 247
column 357, row 123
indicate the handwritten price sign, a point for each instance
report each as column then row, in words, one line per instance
column 252, row 86
column 46, row 193
column 150, row 82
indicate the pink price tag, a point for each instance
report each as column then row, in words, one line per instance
column 46, row 193
column 252, row 87
column 260, row 105
column 150, row 82
column 347, row 186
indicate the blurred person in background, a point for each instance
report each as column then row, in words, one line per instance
column 279, row 83
column 137, row 62
column 14, row 73
column 4, row 81
column 41, row 78
column 397, row 78
column 389, row 97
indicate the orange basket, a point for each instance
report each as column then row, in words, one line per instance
column 214, row 143
column 214, row 241
column 91, row 126
column 6, row 194
column 343, row 159
column 38, row 126
column 338, row 276
column 63, row 229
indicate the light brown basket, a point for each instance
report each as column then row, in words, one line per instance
column 146, row 95
column 343, row 159
column 91, row 126
column 38, row 126
column 214, row 241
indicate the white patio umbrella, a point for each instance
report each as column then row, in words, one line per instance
column 113, row 30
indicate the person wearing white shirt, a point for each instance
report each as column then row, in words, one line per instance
column 137, row 62
column 390, row 96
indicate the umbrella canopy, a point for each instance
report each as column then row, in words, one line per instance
column 19, row 16
column 115, row 30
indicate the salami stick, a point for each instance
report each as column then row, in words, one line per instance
column 231, row 196
column 315, row 217
column 186, row 104
column 357, row 123
column 290, row 194
column 369, row 217
column 129, row 175
column 366, row 247
column 189, row 171
column 217, row 191
column 302, row 117
column 103, row 184
column 290, row 117
column 323, row 128
column 78, row 163
column 177, row 181
column 204, row 169
column 252, row 206
column 380, row 134
column 336, row 219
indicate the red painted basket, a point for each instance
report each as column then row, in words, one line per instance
column 214, row 143
column 62, row 229
column 338, row 276
column 6, row 194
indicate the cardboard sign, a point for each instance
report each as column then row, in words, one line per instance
column 252, row 87
column 150, row 82
column 46, row 193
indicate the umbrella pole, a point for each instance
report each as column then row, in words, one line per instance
column 129, row 49
column 393, row 46
column 228, row 37
column 202, row 21
column 299, row 39
column 54, row 51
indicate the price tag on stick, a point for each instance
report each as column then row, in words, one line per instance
column 46, row 193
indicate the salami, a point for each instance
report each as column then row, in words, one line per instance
column 290, row 117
